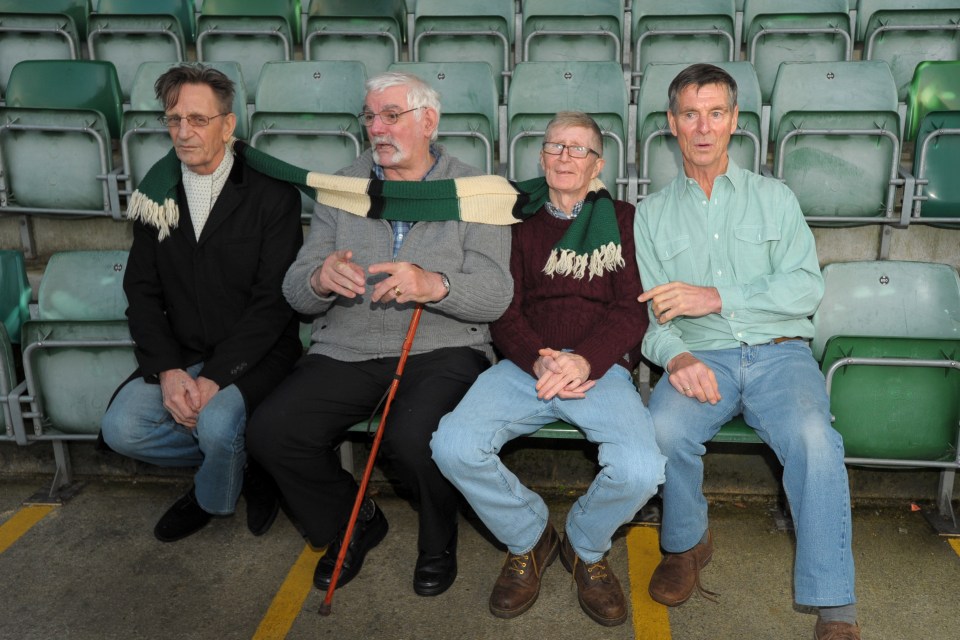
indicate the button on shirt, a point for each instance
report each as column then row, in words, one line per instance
column 749, row 240
column 203, row 191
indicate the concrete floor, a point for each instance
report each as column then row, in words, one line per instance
column 91, row 570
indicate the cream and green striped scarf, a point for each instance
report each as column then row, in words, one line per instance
column 590, row 246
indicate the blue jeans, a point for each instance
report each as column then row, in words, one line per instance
column 782, row 395
column 137, row 425
column 503, row 405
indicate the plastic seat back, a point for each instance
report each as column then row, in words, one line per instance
column 675, row 32
column 371, row 32
column 15, row 293
column 886, row 333
column 307, row 114
column 660, row 160
column 249, row 32
column 466, row 31
column 130, row 32
column 468, row 126
column 49, row 30
column 835, row 129
column 83, row 285
column 567, row 30
column 540, row 89
column 811, row 31
column 904, row 33
column 55, row 138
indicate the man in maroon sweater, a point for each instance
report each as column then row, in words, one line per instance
column 569, row 345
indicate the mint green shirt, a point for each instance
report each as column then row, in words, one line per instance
column 750, row 241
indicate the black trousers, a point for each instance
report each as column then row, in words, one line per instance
column 295, row 431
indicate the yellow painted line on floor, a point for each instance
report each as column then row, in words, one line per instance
column 650, row 619
column 288, row 603
column 955, row 543
column 21, row 522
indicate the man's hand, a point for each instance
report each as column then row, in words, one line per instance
column 339, row 275
column 562, row 374
column 181, row 396
column 693, row 378
column 206, row 388
column 406, row 283
column 675, row 299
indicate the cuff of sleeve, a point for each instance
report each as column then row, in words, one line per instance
column 731, row 300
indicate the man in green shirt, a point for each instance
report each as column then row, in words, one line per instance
column 730, row 273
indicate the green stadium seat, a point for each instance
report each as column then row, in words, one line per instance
column 56, row 133
column 835, row 129
column 466, row 31
column 306, row 114
column 469, row 126
column 540, row 89
column 933, row 122
column 15, row 293
column 659, row 154
column 904, row 33
column 130, row 32
column 674, row 32
column 569, row 30
column 10, row 425
column 249, row 32
column 77, row 351
column 49, row 30
column 144, row 140
column 811, row 31
column 888, row 340
column 370, row 32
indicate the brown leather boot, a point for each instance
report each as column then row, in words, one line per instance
column 836, row 631
column 678, row 574
column 598, row 590
column 518, row 585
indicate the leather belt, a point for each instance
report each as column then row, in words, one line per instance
column 779, row 340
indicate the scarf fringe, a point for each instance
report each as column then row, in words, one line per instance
column 566, row 262
column 164, row 216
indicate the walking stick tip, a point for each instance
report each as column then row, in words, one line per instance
column 324, row 609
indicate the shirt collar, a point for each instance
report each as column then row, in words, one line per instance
column 556, row 212
column 734, row 175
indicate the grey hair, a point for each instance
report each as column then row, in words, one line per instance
column 565, row 119
column 419, row 93
column 167, row 87
column 699, row 75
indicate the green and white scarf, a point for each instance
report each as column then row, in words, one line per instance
column 590, row 246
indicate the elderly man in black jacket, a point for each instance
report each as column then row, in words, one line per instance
column 214, row 334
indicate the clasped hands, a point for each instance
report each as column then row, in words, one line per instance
column 562, row 374
column 406, row 282
column 185, row 397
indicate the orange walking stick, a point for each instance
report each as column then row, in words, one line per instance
column 374, row 448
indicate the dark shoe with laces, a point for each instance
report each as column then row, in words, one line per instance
column 262, row 497
column 436, row 572
column 678, row 574
column 518, row 585
column 598, row 589
column 836, row 631
column 366, row 535
column 184, row 518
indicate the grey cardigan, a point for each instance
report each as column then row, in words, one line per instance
column 475, row 257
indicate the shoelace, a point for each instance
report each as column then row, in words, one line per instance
column 518, row 564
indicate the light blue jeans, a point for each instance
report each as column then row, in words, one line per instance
column 502, row 405
column 782, row 395
column 137, row 425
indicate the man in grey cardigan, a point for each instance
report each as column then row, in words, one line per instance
column 359, row 279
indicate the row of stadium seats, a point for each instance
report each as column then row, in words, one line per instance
column 886, row 339
column 832, row 132
column 503, row 33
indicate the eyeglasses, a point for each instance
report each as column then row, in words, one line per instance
column 574, row 151
column 194, row 120
column 387, row 117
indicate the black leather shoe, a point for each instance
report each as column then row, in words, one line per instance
column 184, row 518
column 262, row 496
column 366, row 535
column 435, row 573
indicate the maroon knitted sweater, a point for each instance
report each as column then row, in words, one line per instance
column 600, row 319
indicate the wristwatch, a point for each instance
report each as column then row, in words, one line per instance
column 446, row 283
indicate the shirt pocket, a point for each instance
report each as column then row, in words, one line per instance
column 754, row 242
column 670, row 249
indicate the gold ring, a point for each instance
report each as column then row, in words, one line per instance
column 397, row 292
column 686, row 388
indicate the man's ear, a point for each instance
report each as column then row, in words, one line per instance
column 230, row 125
column 430, row 121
